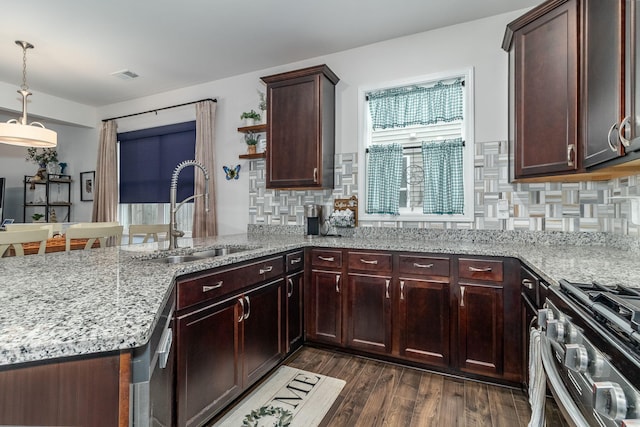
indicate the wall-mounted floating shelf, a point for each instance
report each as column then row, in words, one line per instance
column 253, row 156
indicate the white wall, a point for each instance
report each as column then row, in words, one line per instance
column 76, row 146
column 476, row 44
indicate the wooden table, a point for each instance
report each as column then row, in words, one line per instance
column 55, row 244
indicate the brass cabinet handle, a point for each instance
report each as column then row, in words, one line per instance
column 266, row 269
column 611, row 129
column 626, row 121
column 329, row 259
column 246, row 316
column 315, row 174
column 415, row 264
column 570, row 149
column 387, row 288
column 296, row 260
column 365, row 261
column 480, row 270
column 337, row 283
column 241, row 314
column 462, row 289
column 527, row 283
column 206, row 288
column 402, row 289
column 290, row 288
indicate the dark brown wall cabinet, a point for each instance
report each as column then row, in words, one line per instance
column 567, row 91
column 301, row 128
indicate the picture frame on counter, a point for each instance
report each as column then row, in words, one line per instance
column 87, row 184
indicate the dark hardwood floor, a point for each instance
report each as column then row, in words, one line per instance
column 385, row 394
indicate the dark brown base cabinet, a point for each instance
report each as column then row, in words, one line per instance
column 229, row 324
column 445, row 312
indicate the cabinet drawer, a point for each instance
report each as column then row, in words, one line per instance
column 294, row 261
column 210, row 286
column 423, row 265
column 480, row 269
column 368, row 261
column 326, row 258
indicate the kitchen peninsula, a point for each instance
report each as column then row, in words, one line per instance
column 70, row 306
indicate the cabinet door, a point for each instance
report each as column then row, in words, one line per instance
column 424, row 321
column 528, row 315
column 294, row 303
column 294, row 157
column 209, row 373
column 369, row 313
column 325, row 300
column 545, row 62
column 480, row 329
column 603, row 88
column 261, row 328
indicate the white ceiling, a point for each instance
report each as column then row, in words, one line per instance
column 178, row 43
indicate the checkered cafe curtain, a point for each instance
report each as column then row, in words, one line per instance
column 416, row 105
column 443, row 177
column 384, row 176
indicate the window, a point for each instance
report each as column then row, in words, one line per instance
column 147, row 159
column 418, row 165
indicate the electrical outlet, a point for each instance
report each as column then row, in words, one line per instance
column 503, row 209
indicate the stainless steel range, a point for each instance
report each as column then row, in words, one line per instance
column 591, row 352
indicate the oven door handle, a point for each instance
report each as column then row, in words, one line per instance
column 562, row 397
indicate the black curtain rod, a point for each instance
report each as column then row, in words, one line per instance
column 155, row 110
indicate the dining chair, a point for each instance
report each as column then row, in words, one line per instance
column 52, row 227
column 100, row 233
column 152, row 231
column 17, row 238
column 94, row 224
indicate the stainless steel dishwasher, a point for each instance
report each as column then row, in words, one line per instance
column 152, row 370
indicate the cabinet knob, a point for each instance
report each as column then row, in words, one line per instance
column 248, row 313
column 368, row 261
column 241, row 301
column 609, row 400
column 462, row 289
column 218, row 285
column 402, row 289
column 315, row 175
column 387, row 282
column 266, row 269
column 328, row 259
column 290, row 288
column 480, row 269
column 527, row 283
column 296, row 260
column 337, row 283
column 417, row 265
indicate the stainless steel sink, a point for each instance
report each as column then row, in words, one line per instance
column 176, row 259
column 199, row 256
column 218, row 252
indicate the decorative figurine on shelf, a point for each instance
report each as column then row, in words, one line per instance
column 63, row 166
column 52, row 216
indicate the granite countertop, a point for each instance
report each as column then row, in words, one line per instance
column 82, row 302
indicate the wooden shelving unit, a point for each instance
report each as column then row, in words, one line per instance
column 253, row 156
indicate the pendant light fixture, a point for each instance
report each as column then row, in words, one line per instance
column 20, row 132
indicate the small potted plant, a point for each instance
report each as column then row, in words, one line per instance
column 37, row 217
column 262, row 105
column 43, row 157
column 251, row 138
column 250, row 117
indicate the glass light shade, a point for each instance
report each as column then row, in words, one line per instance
column 27, row 135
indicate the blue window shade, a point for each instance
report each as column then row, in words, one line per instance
column 148, row 158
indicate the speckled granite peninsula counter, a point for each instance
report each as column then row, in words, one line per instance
column 84, row 302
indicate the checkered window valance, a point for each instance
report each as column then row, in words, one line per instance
column 416, row 105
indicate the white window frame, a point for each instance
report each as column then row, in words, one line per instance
column 467, row 137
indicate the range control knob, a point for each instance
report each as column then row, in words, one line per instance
column 544, row 315
column 555, row 330
column 576, row 357
column 609, row 400
column 598, row 367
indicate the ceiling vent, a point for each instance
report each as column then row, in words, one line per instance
column 125, row 74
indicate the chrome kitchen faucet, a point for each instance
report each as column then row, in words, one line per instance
column 174, row 233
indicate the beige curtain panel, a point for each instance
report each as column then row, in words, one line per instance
column 105, row 198
column 204, row 224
